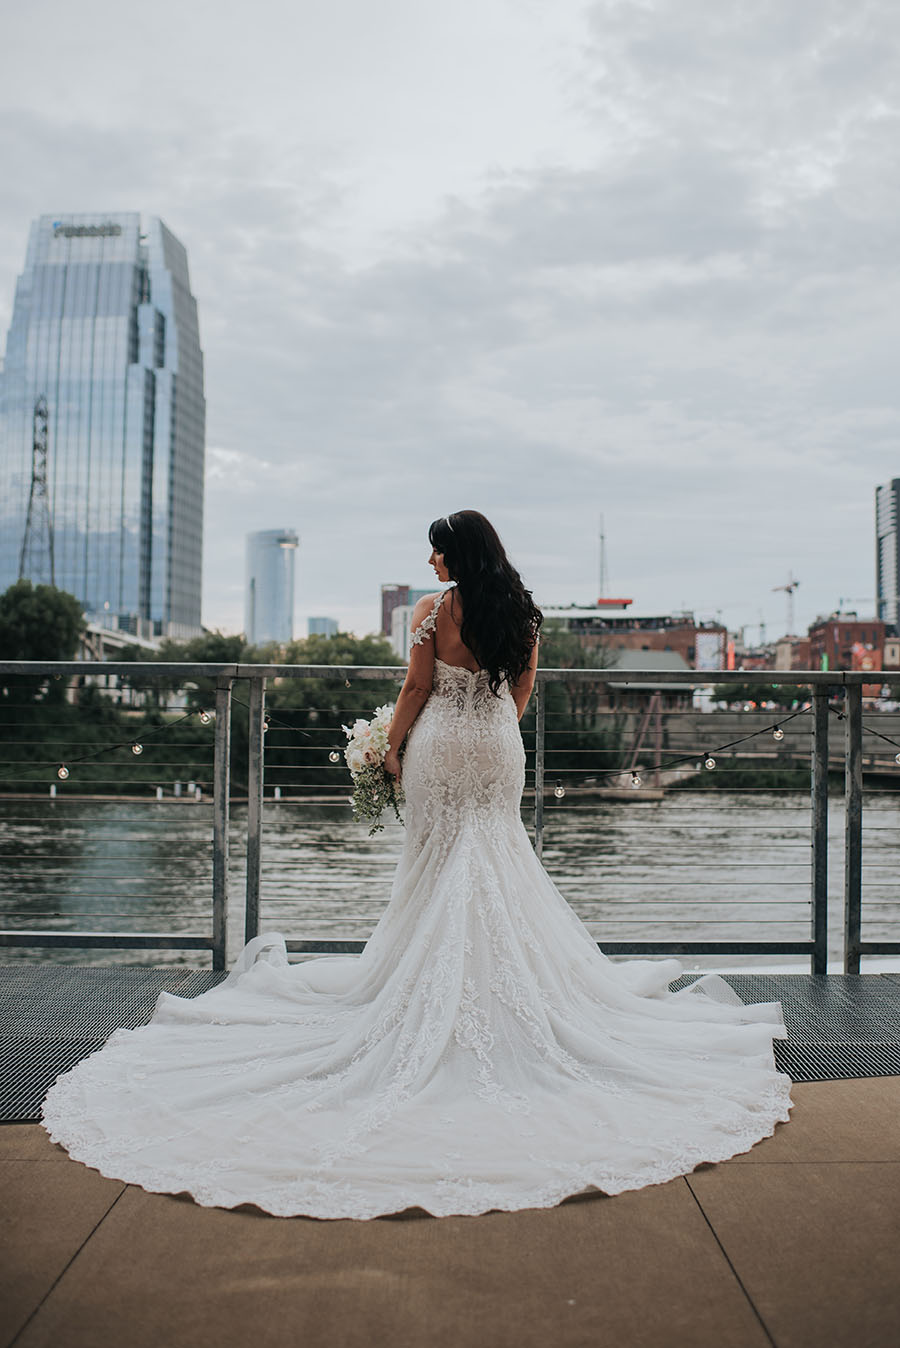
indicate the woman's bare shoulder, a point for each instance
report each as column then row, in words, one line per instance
column 425, row 605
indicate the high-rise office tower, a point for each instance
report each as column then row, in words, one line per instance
column 102, row 392
column 321, row 627
column 269, row 596
column 395, row 596
column 887, row 553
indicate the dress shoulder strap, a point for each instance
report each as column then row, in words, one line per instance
column 429, row 622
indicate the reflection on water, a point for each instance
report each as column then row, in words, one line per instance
column 709, row 867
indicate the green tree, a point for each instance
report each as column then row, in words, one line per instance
column 307, row 714
column 580, row 739
column 38, row 622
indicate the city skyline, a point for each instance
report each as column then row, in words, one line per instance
column 611, row 259
column 104, row 371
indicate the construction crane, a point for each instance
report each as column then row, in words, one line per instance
column 789, row 591
column 38, row 523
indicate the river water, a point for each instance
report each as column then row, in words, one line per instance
column 705, row 866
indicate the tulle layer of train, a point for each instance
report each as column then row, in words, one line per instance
column 480, row 1054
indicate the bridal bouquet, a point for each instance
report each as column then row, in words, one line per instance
column 373, row 788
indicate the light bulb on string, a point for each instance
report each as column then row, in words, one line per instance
column 636, row 781
column 137, row 748
column 897, row 758
column 265, row 725
column 334, row 756
column 62, row 772
column 778, row 733
column 346, row 683
column 205, row 717
column 559, row 791
column 709, row 762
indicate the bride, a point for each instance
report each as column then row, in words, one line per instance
column 481, row 1053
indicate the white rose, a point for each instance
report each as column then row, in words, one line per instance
column 371, row 755
column 355, row 760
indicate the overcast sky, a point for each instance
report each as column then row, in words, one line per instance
column 552, row 261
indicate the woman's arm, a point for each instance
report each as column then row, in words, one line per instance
column 416, row 686
column 521, row 689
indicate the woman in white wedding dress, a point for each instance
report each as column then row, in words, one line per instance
column 482, row 1052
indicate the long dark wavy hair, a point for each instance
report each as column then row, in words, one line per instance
column 500, row 619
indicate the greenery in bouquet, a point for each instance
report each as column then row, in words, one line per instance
column 374, row 790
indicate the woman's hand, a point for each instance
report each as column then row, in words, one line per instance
column 392, row 763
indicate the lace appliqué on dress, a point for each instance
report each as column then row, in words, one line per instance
column 428, row 624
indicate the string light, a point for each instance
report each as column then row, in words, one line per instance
column 897, row 758
column 709, row 762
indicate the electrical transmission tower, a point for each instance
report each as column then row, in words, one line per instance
column 38, row 525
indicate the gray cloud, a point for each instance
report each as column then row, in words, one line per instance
column 688, row 326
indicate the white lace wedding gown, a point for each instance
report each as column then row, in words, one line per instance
column 481, row 1053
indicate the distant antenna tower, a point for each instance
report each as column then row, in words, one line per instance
column 789, row 591
column 603, row 579
column 38, row 525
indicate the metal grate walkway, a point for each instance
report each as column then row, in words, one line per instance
column 51, row 1016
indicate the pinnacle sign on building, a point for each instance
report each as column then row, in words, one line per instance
column 109, row 230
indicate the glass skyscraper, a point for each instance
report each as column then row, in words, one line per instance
column 887, row 553
column 104, row 337
column 321, row 627
column 269, row 606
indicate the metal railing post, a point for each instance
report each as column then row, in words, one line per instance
column 221, row 810
column 819, row 803
column 853, row 786
column 255, row 770
column 540, row 708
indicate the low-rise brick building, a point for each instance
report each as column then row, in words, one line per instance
column 845, row 641
column 610, row 624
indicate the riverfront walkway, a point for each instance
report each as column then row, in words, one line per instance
column 793, row 1244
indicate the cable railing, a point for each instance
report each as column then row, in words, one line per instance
column 619, row 799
